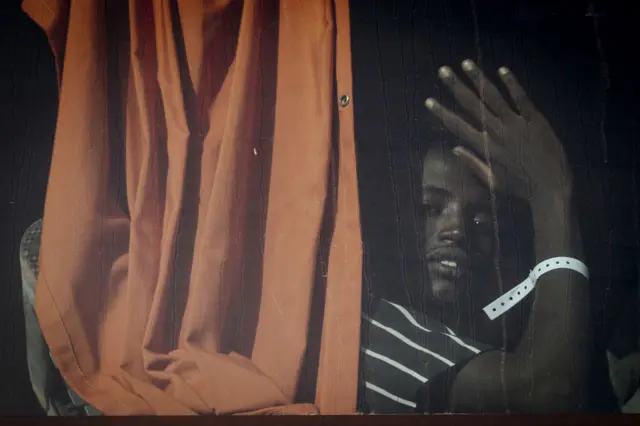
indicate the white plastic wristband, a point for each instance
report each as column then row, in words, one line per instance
column 511, row 298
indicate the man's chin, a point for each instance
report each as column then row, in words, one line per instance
column 443, row 291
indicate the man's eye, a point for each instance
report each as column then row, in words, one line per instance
column 482, row 221
column 429, row 207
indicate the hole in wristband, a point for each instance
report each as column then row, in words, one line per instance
column 511, row 298
column 557, row 263
column 547, row 265
column 567, row 262
column 525, row 287
column 502, row 304
column 494, row 309
column 518, row 293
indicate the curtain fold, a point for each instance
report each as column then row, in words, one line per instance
column 188, row 190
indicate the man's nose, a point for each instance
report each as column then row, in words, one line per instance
column 452, row 224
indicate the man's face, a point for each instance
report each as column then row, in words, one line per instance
column 459, row 232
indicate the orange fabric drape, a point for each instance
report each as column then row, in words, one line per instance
column 199, row 166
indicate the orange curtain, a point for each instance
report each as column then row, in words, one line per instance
column 201, row 184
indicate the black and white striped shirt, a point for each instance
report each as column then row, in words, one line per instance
column 401, row 352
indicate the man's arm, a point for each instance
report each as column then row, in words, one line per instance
column 549, row 369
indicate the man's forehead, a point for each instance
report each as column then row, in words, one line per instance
column 437, row 163
column 443, row 169
column 441, row 164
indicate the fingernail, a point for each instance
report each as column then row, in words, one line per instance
column 468, row 65
column 444, row 72
column 429, row 103
column 503, row 70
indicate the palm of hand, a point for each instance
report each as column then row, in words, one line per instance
column 520, row 149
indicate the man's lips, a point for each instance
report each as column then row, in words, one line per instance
column 448, row 260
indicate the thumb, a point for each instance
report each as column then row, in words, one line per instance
column 477, row 166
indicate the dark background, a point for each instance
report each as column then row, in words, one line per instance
column 28, row 107
column 578, row 57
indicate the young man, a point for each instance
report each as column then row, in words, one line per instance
column 449, row 354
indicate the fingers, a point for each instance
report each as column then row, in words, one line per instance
column 468, row 100
column 456, row 125
column 477, row 166
column 519, row 96
column 490, row 95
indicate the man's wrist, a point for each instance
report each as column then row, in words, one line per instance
column 556, row 230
